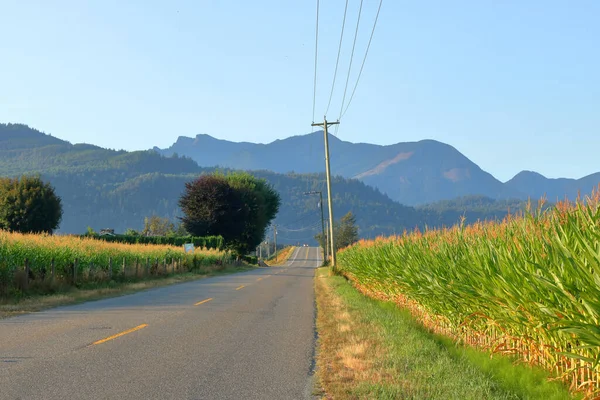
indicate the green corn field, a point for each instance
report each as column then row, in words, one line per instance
column 528, row 285
column 72, row 258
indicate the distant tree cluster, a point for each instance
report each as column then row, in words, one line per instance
column 237, row 206
column 345, row 232
column 28, row 205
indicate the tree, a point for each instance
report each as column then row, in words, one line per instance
column 131, row 232
column 29, row 205
column 238, row 207
column 211, row 207
column 157, row 226
column 347, row 231
column 261, row 203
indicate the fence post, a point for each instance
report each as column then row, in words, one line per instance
column 157, row 265
column 53, row 269
column 147, row 266
column 137, row 268
column 109, row 268
column 165, row 265
column 123, row 267
column 26, row 274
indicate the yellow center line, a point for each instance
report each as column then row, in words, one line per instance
column 120, row 334
column 243, row 286
column 259, row 279
column 203, row 301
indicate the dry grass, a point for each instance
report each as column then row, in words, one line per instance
column 73, row 295
column 282, row 257
column 372, row 349
column 348, row 354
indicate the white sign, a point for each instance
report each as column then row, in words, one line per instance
column 188, row 247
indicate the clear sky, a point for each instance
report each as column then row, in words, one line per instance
column 511, row 84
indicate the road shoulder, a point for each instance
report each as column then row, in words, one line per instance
column 372, row 349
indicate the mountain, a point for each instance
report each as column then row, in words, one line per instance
column 412, row 173
column 536, row 185
column 104, row 188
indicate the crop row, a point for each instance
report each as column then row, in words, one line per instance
column 208, row 242
column 528, row 285
column 70, row 256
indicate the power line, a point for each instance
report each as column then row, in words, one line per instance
column 364, row 59
column 338, row 58
column 313, row 226
column 351, row 58
column 316, row 55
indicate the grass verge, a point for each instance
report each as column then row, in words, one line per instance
column 282, row 257
column 370, row 349
column 94, row 291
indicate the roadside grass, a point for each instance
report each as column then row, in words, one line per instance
column 66, row 294
column 282, row 257
column 370, row 349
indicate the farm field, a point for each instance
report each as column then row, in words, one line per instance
column 44, row 263
column 527, row 286
column 372, row 349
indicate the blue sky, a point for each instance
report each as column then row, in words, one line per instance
column 511, row 84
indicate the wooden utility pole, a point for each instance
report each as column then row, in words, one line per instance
column 325, row 125
column 326, row 239
column 275, row 234
column 325, row 245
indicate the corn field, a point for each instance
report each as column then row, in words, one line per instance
column 527, row 286
column 26, row 258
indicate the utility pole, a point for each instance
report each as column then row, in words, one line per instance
column 275, row 234
column 322, row 220
column 325, row 125
column 326, row 241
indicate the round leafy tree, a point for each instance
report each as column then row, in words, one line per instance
column 238, row 207
column 29, row 205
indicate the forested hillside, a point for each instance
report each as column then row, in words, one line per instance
column 104, row 188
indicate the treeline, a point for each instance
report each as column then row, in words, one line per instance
column 105, row 188
column 208, row 242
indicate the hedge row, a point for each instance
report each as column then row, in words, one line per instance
column 209, row 242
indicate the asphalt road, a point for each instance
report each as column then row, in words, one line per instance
column 254, row 339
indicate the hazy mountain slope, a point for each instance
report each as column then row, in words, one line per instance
column 535, row 185
column 411, row 173
column 117, row 189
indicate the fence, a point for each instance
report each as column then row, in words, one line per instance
column 48, row 278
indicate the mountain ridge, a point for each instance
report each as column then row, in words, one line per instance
column 412, row 173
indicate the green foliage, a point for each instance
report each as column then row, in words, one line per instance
column 212, row 207
column 27, row 204
column 261, row 204
column 438, row 368
column 347, row 231
column 237, row 207
column 131, row 232
column 115, row 189
column 209, row 242
column 90, row 257
column 158, row 226
column 531, row 281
